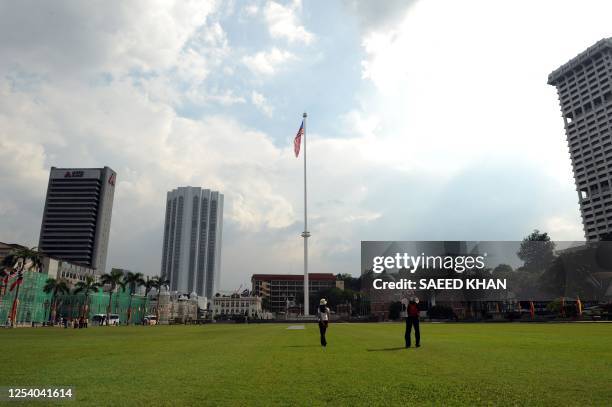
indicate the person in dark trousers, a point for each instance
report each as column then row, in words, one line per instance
column 412, row 319
column 323, row 318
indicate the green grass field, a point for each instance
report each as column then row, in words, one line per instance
column 364, row 364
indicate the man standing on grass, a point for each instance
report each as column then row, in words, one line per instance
column 413, row 320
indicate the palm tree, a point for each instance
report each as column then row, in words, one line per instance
column 132, row 281
column 149, row 284
column 56, row 288
column 160, row 282
column 88, row 286
column 121, row 288
column 6, row 270
column 18, row 261
column 4, row 274
column 112, row 279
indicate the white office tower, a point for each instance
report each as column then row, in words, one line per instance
column 191, row 257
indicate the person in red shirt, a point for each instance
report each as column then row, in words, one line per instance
column 412, row 319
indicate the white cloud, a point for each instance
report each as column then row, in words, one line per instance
column 268, row 63
column 251, row 9
column 224, row 98
column 448, row 93
column 154, row 150
column 283, row 22
column 442, row 143
column 566, row 227
column 64, row 38
column 262, row 103
column 378, row 14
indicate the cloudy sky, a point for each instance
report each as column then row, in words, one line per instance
column 428, row 119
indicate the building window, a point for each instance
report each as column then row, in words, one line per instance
column 584, row 193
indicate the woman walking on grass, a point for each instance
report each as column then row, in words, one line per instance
column 323, row 318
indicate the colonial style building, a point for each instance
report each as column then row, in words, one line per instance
column 237, row 305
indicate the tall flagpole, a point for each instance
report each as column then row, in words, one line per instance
column 305, row 233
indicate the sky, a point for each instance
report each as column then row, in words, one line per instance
column 427, row 120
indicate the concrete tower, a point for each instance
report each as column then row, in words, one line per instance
column 584, row 86
column 191, row 255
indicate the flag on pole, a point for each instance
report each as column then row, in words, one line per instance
column 297, row 141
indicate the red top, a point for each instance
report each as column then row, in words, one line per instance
column 413, row 310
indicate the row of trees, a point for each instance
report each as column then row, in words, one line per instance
column 115, row 279
column 15, row 264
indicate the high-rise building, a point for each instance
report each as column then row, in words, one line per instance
column 191, row 255
column 584, row 86
column 77, row 215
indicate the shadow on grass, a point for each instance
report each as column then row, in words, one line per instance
column 385, row 349
column 301, row 346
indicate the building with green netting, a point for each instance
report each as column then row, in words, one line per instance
column 73, row 306
column 34, row 305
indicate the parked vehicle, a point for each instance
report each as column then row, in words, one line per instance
column 150, row 320
column 594, row 313
column 100, row 319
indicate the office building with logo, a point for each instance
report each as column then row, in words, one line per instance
column 77, row 215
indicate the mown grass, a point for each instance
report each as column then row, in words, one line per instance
column 364, row 364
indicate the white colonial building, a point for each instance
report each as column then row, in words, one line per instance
column 236, row 305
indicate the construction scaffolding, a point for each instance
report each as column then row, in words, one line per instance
column 72, row 306
column 35, row 306
column 33, row 303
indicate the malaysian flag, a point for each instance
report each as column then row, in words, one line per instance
column 297, row 141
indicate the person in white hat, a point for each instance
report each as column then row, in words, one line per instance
column 323, row 318
column 413, row 320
